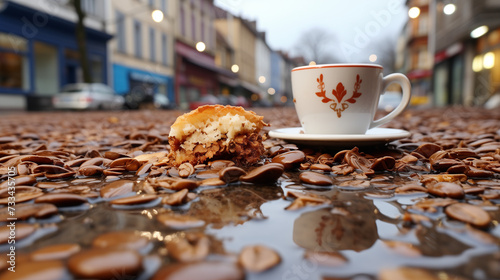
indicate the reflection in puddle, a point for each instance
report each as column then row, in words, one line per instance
column 338, row 228
column 235, row 205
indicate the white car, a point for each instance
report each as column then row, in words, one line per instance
column 389, row 101
column 85, row 96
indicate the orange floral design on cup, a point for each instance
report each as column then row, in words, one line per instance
column 339, row 93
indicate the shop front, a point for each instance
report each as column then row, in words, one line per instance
column 143, row 86
column 38, row 55
column 195, row 75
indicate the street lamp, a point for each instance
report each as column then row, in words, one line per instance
column 478, row 32
column 200, row 46
column 449, row 9
column 488, row 60
column 157, row 15
column 413, row 12
column 373, row 58
column 235, row 68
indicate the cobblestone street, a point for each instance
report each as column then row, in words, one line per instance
column 96, row 188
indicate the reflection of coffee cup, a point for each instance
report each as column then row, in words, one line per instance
column 339, row 228
column 343, row 98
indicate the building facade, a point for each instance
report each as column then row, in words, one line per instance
column 415, row 57
column 142, row 50
column 467, row 52
column 196, row 74
column 39, row 53
column 263, row 67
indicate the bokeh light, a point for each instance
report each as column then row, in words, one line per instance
column 157, row 15
column 414, row 12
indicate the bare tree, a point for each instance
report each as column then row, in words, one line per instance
column 315, row 45
column 81, row 42
column 385, row 49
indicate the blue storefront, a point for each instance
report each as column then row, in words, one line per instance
column 136, row 81
column 38, row 52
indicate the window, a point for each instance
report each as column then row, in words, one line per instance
column 164, row 52
column 151, row 3
column 138, row 39
column 203, row 31
column 163, row 6
column 183, row 21
column 14, row 69
column 193, row 26
column 152, row 44
column 89, row 7
column 423, row 26
column 120, row 18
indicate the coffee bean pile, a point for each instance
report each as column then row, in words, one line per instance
column 96, row 197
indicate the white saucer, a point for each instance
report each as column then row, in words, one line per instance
column 373, row 136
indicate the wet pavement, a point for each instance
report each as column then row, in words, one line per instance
column 94, row 198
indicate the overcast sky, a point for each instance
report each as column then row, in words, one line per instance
column 358, row 27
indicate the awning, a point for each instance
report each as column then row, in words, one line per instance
column 250, row 87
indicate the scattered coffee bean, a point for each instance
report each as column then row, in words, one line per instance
column 231, row 174
column 208, row 270
column 121, row 239
column 21, row 180
column 25, row 211
column 406, row 273
column 104, row 263
column 265, row 174
column 290, row 159
column 135, row 199
column 315, row 178
column 446, row 189
column 258, row 258
column 177, row 198
column 117, row 188
column 468, row 213
column 61, row 199
column 179, row 222
column 39, row 270
column 190, row 248
column 55, row 252
column 186, row 170
column 22, row 231
column 331, row 259
column 428, row 149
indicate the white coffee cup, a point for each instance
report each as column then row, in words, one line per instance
column 343, row 98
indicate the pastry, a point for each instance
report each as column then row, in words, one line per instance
column 216, row 132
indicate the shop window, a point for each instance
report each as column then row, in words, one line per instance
column 14, row 68
column 46, row 68
column 96, row 69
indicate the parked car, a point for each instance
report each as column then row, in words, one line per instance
column 238, row 100
column 207, row 99
column 389, row 101
column 161, row 101
column 87, row 96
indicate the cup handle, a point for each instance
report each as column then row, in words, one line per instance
column 403, row 81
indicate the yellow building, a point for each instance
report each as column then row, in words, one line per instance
column 415, row 59
column 142, row 50
column 241, row 36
